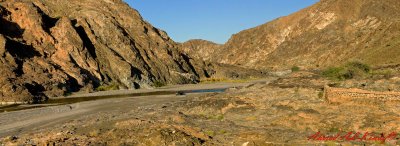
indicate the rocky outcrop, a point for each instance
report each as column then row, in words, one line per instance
column 328, row 33
column 202, row 52
column 53, row 47
column 200, row 49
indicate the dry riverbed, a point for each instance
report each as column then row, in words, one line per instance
column 16, row 123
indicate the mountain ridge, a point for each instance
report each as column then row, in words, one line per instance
column 322, row 35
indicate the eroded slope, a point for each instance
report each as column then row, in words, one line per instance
column 325, row 34
column 53, row 47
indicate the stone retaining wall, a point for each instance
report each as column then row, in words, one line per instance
column 340, row 95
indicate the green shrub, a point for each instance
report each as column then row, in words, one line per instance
column 295, row 69
column 218, row 117
column 210, row 133
column 359, row 66
column 337, row 73
column 66, row 94
column 112, row 86
column 321, row 94
column 348, row 71
column 386, row 73
column 158, row 84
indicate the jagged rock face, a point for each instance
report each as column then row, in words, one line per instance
column 51, row 47
column 200, row 49
column 327, row 33
column 202, row 52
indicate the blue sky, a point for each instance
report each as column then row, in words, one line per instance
column 213, row 20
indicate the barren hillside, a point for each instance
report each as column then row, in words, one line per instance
column 53, row 47
column 328, row 33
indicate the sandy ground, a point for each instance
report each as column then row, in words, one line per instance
column 20, row 122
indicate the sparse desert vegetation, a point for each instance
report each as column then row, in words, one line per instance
column 159, row 84
column 226, row 80
column 295, row 69
column 348, row 71
column 357, row 70
column 108, row 87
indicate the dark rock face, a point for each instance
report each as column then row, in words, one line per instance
column 52, row 47
column 328, row 33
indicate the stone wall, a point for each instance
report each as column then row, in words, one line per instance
column 340, row 95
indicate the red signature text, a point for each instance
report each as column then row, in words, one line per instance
column 354, row 136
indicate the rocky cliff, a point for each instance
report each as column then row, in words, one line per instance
column 328, row 33
column 202, row 53
column 53, row 47
column 201, row 49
